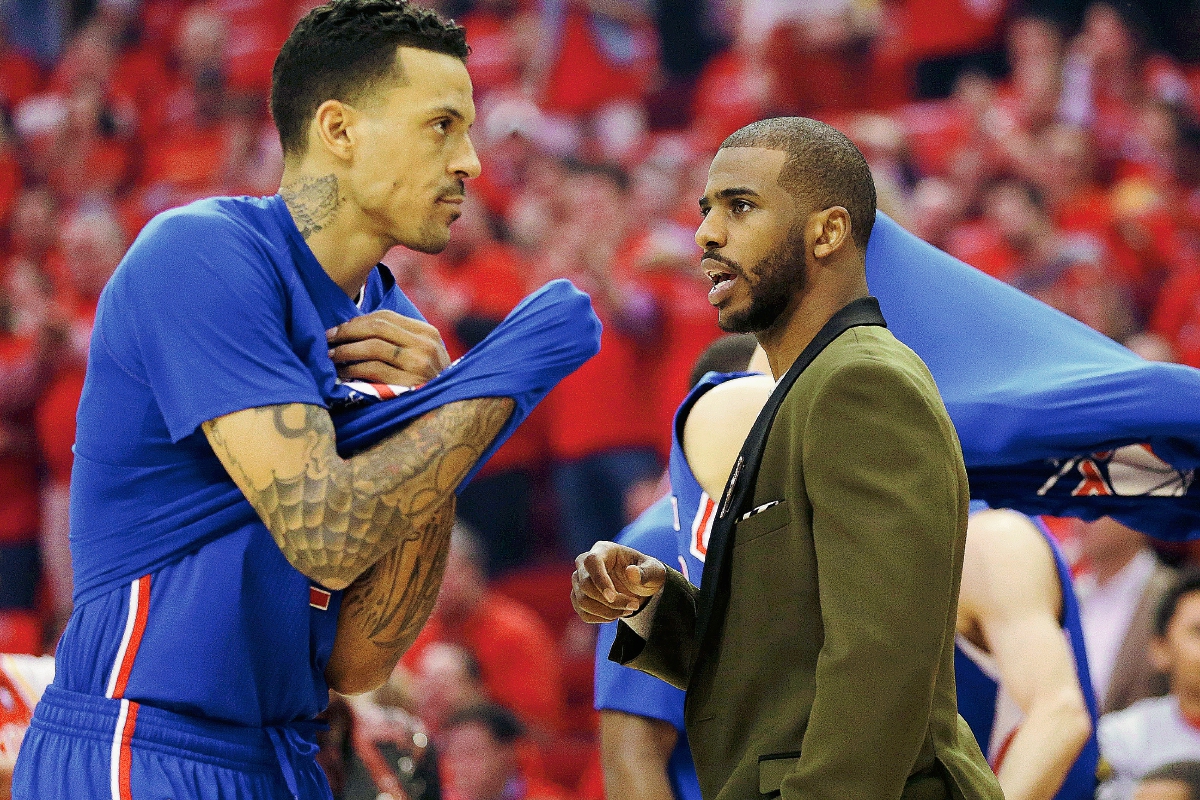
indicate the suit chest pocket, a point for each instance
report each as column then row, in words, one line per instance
column 767, row 518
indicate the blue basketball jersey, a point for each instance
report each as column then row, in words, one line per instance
column 183, row 602
column 694, row 509
column 994, row 718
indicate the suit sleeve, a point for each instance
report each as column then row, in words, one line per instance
column 883, row 472
column 670, row 651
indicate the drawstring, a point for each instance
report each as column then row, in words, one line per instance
column 287, row 740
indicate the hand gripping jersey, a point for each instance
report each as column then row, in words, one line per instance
column 191, row 632
column 675, row 531
column 992, row 714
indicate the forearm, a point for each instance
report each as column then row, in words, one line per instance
column 333, row 518
column 634, row 752
column 384, row 609
column 1043, row 751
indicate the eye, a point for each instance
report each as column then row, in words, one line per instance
column 740, row 207
column 442, row 126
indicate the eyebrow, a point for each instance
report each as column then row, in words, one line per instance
column 450, row 111
column 731, row 192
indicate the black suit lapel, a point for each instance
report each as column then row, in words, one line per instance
column 739, row 491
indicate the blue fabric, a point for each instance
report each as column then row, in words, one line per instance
column 694, row 509
column 977, row 692
column 217, row 307
column 1041, row 402
column 625, row 689
column 67, row 752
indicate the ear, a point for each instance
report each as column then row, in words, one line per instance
column 831, row 229
column 1160, row 654
column 331, row 128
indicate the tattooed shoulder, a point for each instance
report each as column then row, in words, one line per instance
column 313, row 202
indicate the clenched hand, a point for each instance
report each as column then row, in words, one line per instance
column 613, row 581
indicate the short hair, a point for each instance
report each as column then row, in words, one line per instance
column 822, row 165
column 501, row 723
column 344, row 49
column 1185, row 772
column 1188, row 583
column 730, row 353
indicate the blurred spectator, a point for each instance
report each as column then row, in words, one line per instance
column 592, row 53
column 390, row 755
column 520, row 665
column 1159, row 730
column 448, row 679
column 19, row 74
column 481, row 762
column 1176, row 781
column 23, row 679
column 1118, row 596
column 601, row 434
column 1065, row 270
column 93, row 243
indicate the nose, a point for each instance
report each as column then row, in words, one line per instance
column 712, row 233
column 466, row 162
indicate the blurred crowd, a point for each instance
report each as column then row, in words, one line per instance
column 1053, row 146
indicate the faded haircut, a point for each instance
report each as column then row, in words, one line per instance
column 823, row 166
column 344, row 49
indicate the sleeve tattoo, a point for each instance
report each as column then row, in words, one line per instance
column 337, row 518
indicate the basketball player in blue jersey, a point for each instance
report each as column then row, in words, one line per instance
column 643, row 745
column 1020, row 663
column 206, row 633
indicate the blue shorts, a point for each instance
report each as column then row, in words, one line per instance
column 83, row 746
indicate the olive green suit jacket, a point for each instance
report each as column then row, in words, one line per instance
column 826, row 669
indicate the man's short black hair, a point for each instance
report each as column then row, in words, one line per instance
column 822, row 166
column 343, row 49
column 1188, row 583
column 501, row 723
column 731, row 353
column 1185, row 772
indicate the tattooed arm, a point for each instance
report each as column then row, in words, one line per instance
column 334, row 518
column 384, row 610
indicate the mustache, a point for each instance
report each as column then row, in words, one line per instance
column 453, row 192
column 715, row 256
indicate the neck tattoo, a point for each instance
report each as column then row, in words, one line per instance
column 312, row 201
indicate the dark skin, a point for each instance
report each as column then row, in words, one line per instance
column 748, row 217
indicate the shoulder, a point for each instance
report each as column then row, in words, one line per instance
column 1008, row 567
column 867, row 365
column 222, row 237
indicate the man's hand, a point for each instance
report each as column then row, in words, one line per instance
column 613, row 581
column 386, row 347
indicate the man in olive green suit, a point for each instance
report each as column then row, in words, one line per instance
column 818, row 653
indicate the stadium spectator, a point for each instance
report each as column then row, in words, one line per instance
column 1158, row 730
column 448, row 679
column 520, row 665
column 1177, row 781
column 1117, row 599
column 481, row 758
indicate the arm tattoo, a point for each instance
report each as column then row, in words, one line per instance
column 336, row 518
column 312, row 201
column 390, row 602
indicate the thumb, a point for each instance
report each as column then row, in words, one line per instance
column 646, row 577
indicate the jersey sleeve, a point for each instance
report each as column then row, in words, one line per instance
column 211, row 318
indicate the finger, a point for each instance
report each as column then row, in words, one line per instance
column 646, row 577
column 592, row 610
column 378, row 372
column 388, row 325
column 597, row 572
column 417, row 360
